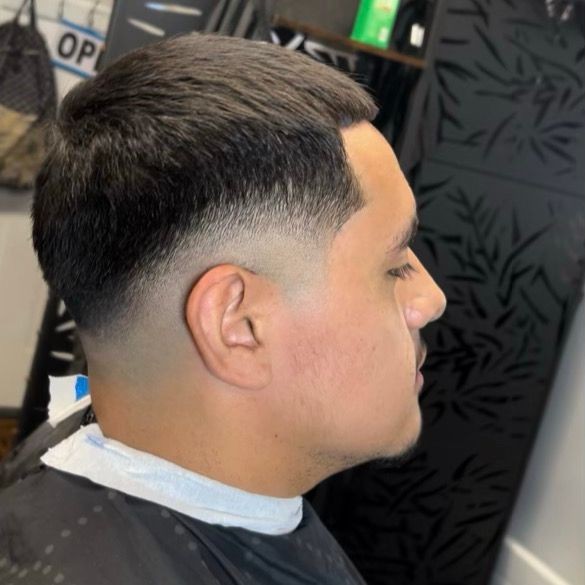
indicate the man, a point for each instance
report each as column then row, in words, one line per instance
column 232, row 236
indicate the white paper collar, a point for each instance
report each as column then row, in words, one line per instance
column 87, row 453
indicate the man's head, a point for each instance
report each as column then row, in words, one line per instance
column 222, row 220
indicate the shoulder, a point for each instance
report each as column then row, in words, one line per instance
column 59, row 526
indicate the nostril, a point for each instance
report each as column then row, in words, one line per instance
column 413, row 315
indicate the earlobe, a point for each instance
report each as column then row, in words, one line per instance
column 220, row 311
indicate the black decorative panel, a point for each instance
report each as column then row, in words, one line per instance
column 510, row 264
column 334, row 15
column 501, row 197
column 508, row 93
column 135, row 23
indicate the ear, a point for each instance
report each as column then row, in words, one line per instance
column 223, row 315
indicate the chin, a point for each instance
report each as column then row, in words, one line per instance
column 388, row 450
column 398, row 456
column 404, row 446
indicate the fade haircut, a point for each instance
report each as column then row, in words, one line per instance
column 189, row 144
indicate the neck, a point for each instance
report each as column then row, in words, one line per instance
column 229, row 440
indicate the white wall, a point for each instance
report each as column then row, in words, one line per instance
column 22, row 298
column 545, row 544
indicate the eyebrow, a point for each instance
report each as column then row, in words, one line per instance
column 406, row 238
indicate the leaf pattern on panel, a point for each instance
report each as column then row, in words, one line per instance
column 525, row 67
column 461, row 508
column 505, row 303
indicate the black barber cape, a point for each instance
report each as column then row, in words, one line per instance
column 56, row 527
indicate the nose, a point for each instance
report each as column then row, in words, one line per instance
column 426, row 301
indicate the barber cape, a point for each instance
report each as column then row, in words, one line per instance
column 78, row 508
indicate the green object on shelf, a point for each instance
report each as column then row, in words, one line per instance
column 374, row 22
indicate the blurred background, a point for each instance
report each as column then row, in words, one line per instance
column 484, row 103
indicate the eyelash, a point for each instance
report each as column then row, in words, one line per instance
column 402, row 272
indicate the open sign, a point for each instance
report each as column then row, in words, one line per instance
column 74, row 48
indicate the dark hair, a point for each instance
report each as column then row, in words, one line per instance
column 182, row 142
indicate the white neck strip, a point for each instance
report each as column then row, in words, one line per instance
column 87, row 453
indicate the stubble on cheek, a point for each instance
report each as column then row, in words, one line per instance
column 317, row 368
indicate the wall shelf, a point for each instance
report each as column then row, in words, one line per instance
column 347, row 43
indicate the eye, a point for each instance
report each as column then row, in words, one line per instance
column 402, row 272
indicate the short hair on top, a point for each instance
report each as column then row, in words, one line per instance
column 189, row 143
